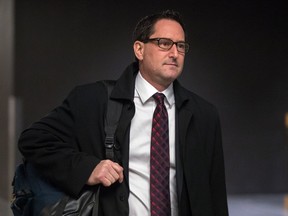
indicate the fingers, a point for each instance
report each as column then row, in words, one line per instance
column 110, row 172
column 106, row 172
column 119, row 172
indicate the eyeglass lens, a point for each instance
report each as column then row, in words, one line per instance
column 166, row 44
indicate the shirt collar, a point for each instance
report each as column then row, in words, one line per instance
column 145, row 91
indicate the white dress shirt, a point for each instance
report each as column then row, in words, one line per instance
column 139, row 152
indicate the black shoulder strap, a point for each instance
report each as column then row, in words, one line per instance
column 114, row 109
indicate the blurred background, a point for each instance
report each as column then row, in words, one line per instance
column 238, row 61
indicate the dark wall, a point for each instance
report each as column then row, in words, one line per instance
column 238, row 61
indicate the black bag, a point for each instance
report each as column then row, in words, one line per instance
column 33, row 195
column 36, row 196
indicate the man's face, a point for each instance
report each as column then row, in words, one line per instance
column 161, row 67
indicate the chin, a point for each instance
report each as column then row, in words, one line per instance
column 173, row 74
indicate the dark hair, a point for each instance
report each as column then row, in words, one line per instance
column 145, row 27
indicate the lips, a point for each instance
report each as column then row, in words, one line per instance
column 172, row 64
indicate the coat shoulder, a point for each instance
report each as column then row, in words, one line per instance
column 89, row 91
column 196, row 102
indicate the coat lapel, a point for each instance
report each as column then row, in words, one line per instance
column 184, row 116
column 124, row 91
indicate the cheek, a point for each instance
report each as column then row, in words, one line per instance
column 152, row 60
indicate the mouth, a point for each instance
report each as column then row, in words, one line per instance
column 172, row 64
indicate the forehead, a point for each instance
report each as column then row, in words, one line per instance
column 168, row 28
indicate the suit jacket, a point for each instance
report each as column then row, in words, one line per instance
column 68, row 143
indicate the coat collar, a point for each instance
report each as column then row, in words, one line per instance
column 181, row 95
column 125, row 85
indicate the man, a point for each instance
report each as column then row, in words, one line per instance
column 68, row 144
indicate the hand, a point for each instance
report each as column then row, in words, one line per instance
column 106, row 172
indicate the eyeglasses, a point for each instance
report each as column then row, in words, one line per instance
column 166, row 44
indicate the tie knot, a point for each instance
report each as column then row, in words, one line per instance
column 159, row 98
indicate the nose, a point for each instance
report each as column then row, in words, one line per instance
column 173, row 51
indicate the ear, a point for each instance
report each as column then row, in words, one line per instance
column 138, row 49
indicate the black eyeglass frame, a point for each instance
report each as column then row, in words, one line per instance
column 185, row 44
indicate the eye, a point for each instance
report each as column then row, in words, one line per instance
column 181, row 46
column 165, row 42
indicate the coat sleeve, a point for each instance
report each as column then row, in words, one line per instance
column 52, row 145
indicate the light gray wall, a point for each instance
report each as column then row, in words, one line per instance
column 7, row 129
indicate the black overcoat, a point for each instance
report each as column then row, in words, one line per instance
column 68, row 143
